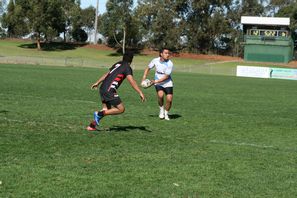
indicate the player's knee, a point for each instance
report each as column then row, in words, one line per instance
column 169, row 99
column 122, row 109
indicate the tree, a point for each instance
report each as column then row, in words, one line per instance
column 45, row 19
column 79, row 35
column 2, row 5
column 118, row 23
column 88, row 18
column 164, row 28
column 289, row 11
column 71, row 16
column 15, row 21
column 275, row 5
column 207, row 25
column 251, row 8
column 2, row 8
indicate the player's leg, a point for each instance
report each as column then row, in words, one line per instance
column 160, row 98
column 104, row 107
column 114, row 107
column 115, row 110
column 93, row 124
column 168, row 104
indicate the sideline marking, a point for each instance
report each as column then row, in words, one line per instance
column 281, row 149
column 49, row 98
column 37, row 123
column 241, row 144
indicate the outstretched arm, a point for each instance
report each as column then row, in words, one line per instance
column 135, row 87
column 99, row 81
column 161, row 79
column 146, row 72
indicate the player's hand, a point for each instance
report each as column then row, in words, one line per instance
column 142, row 97
column 94, row 86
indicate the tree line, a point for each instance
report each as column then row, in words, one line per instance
column 199, row 26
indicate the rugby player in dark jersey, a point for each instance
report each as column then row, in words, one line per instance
column 110, row 82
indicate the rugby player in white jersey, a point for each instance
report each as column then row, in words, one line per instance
column 162, row 81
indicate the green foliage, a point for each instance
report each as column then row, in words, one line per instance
column 88, row 17
column 251, row 8
column 164, row 28
column 228, row 137
column 2, row 6
column 291, row 12
column 46, row 19
column 275, row 5
column 15, row 21
column 2, row 33
column 181, row 25
column 79, row 35
column 118, row 24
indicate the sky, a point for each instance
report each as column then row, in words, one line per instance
column 87, row 3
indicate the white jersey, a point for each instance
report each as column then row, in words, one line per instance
column 162, row 69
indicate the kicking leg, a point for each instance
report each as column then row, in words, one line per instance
column 93, row 124
column 115, row 110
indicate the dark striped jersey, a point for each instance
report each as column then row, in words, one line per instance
column 117, row 73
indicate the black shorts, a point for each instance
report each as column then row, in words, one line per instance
column 110, row 98
column 167, row 90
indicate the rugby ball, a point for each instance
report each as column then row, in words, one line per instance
column 146, row 83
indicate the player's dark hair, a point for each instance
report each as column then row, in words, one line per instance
column 162, row 50
column 128, row 57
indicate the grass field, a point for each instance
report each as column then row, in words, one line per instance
column 228, row 137
column 24, row 49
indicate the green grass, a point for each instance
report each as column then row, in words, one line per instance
column 74, row 55
column 229, row 137
column 17, row 52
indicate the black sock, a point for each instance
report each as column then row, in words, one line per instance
column 100, row 113
column 93, row 124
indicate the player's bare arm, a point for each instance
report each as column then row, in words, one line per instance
column 146, row 72
column 135, row 87
column 161, row 79
column 95, row 85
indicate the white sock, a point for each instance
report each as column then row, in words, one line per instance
column 162, row 108
column 166, row 113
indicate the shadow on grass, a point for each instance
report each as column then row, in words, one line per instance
column 53, row 46
column 128, row 128
column 121, row 129
column 3, row 111
column 171, row 116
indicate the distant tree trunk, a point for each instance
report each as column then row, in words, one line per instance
column 38, row 41
column 124, row 40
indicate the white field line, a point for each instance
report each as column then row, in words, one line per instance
column 261, row 146
column 242, row 144
column 50, row 98
column 37, row 123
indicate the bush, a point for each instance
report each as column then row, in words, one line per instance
column 2, row 33
column 79, row 35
